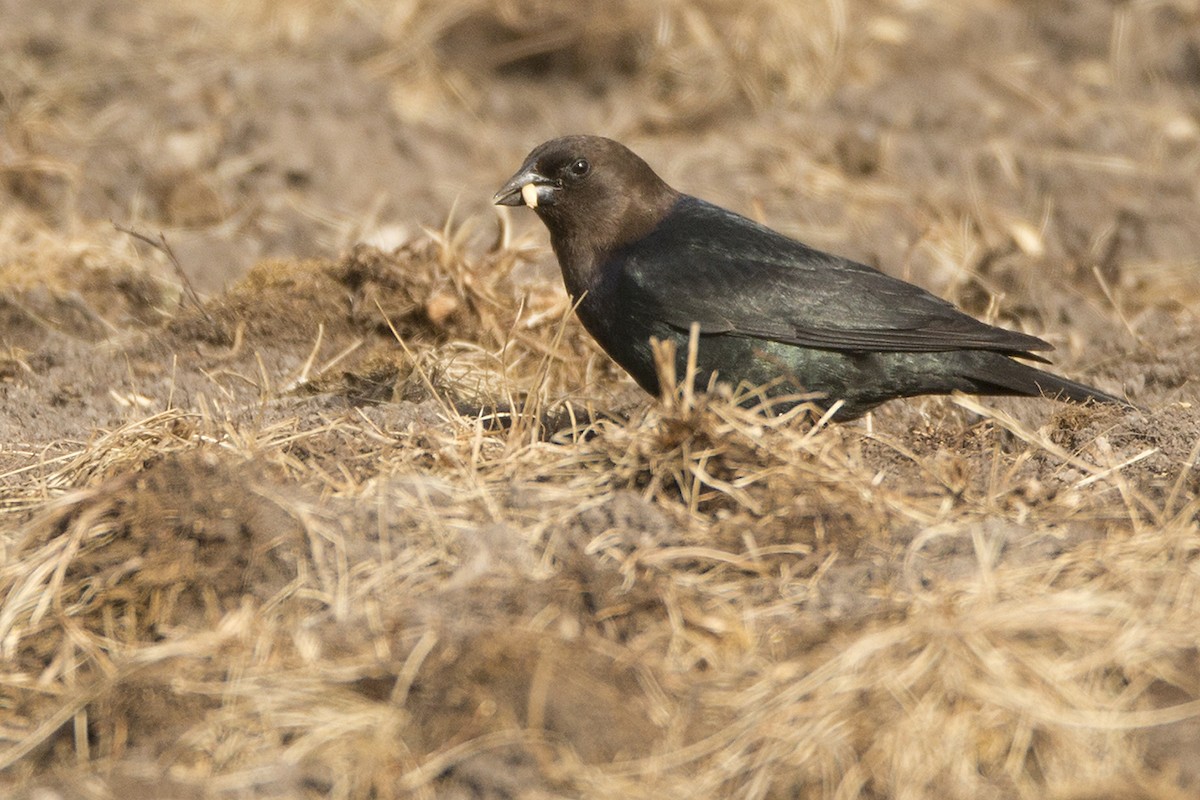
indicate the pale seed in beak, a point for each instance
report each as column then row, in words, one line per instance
column 529, row 195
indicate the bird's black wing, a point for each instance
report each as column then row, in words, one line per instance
column 731, row 275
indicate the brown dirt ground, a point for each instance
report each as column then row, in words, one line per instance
column 371, row 517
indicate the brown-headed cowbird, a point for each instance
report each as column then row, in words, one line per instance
column 643, row 260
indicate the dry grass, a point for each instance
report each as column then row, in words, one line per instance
column 390, row 525
column 698, row 600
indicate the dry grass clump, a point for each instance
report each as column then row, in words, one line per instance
column 393, row 599
column 428, row 320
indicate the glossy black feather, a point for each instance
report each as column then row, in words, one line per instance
column 744, row 278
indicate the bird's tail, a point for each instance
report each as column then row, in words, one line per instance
column 1005, row 376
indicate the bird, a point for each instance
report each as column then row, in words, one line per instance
column 642, row 261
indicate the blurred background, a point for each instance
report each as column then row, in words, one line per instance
column 965, row 144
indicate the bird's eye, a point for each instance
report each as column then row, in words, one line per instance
column 580, row 167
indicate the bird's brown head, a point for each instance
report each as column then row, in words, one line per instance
column 593, row 194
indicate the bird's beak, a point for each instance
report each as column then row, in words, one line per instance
column 528, row 186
